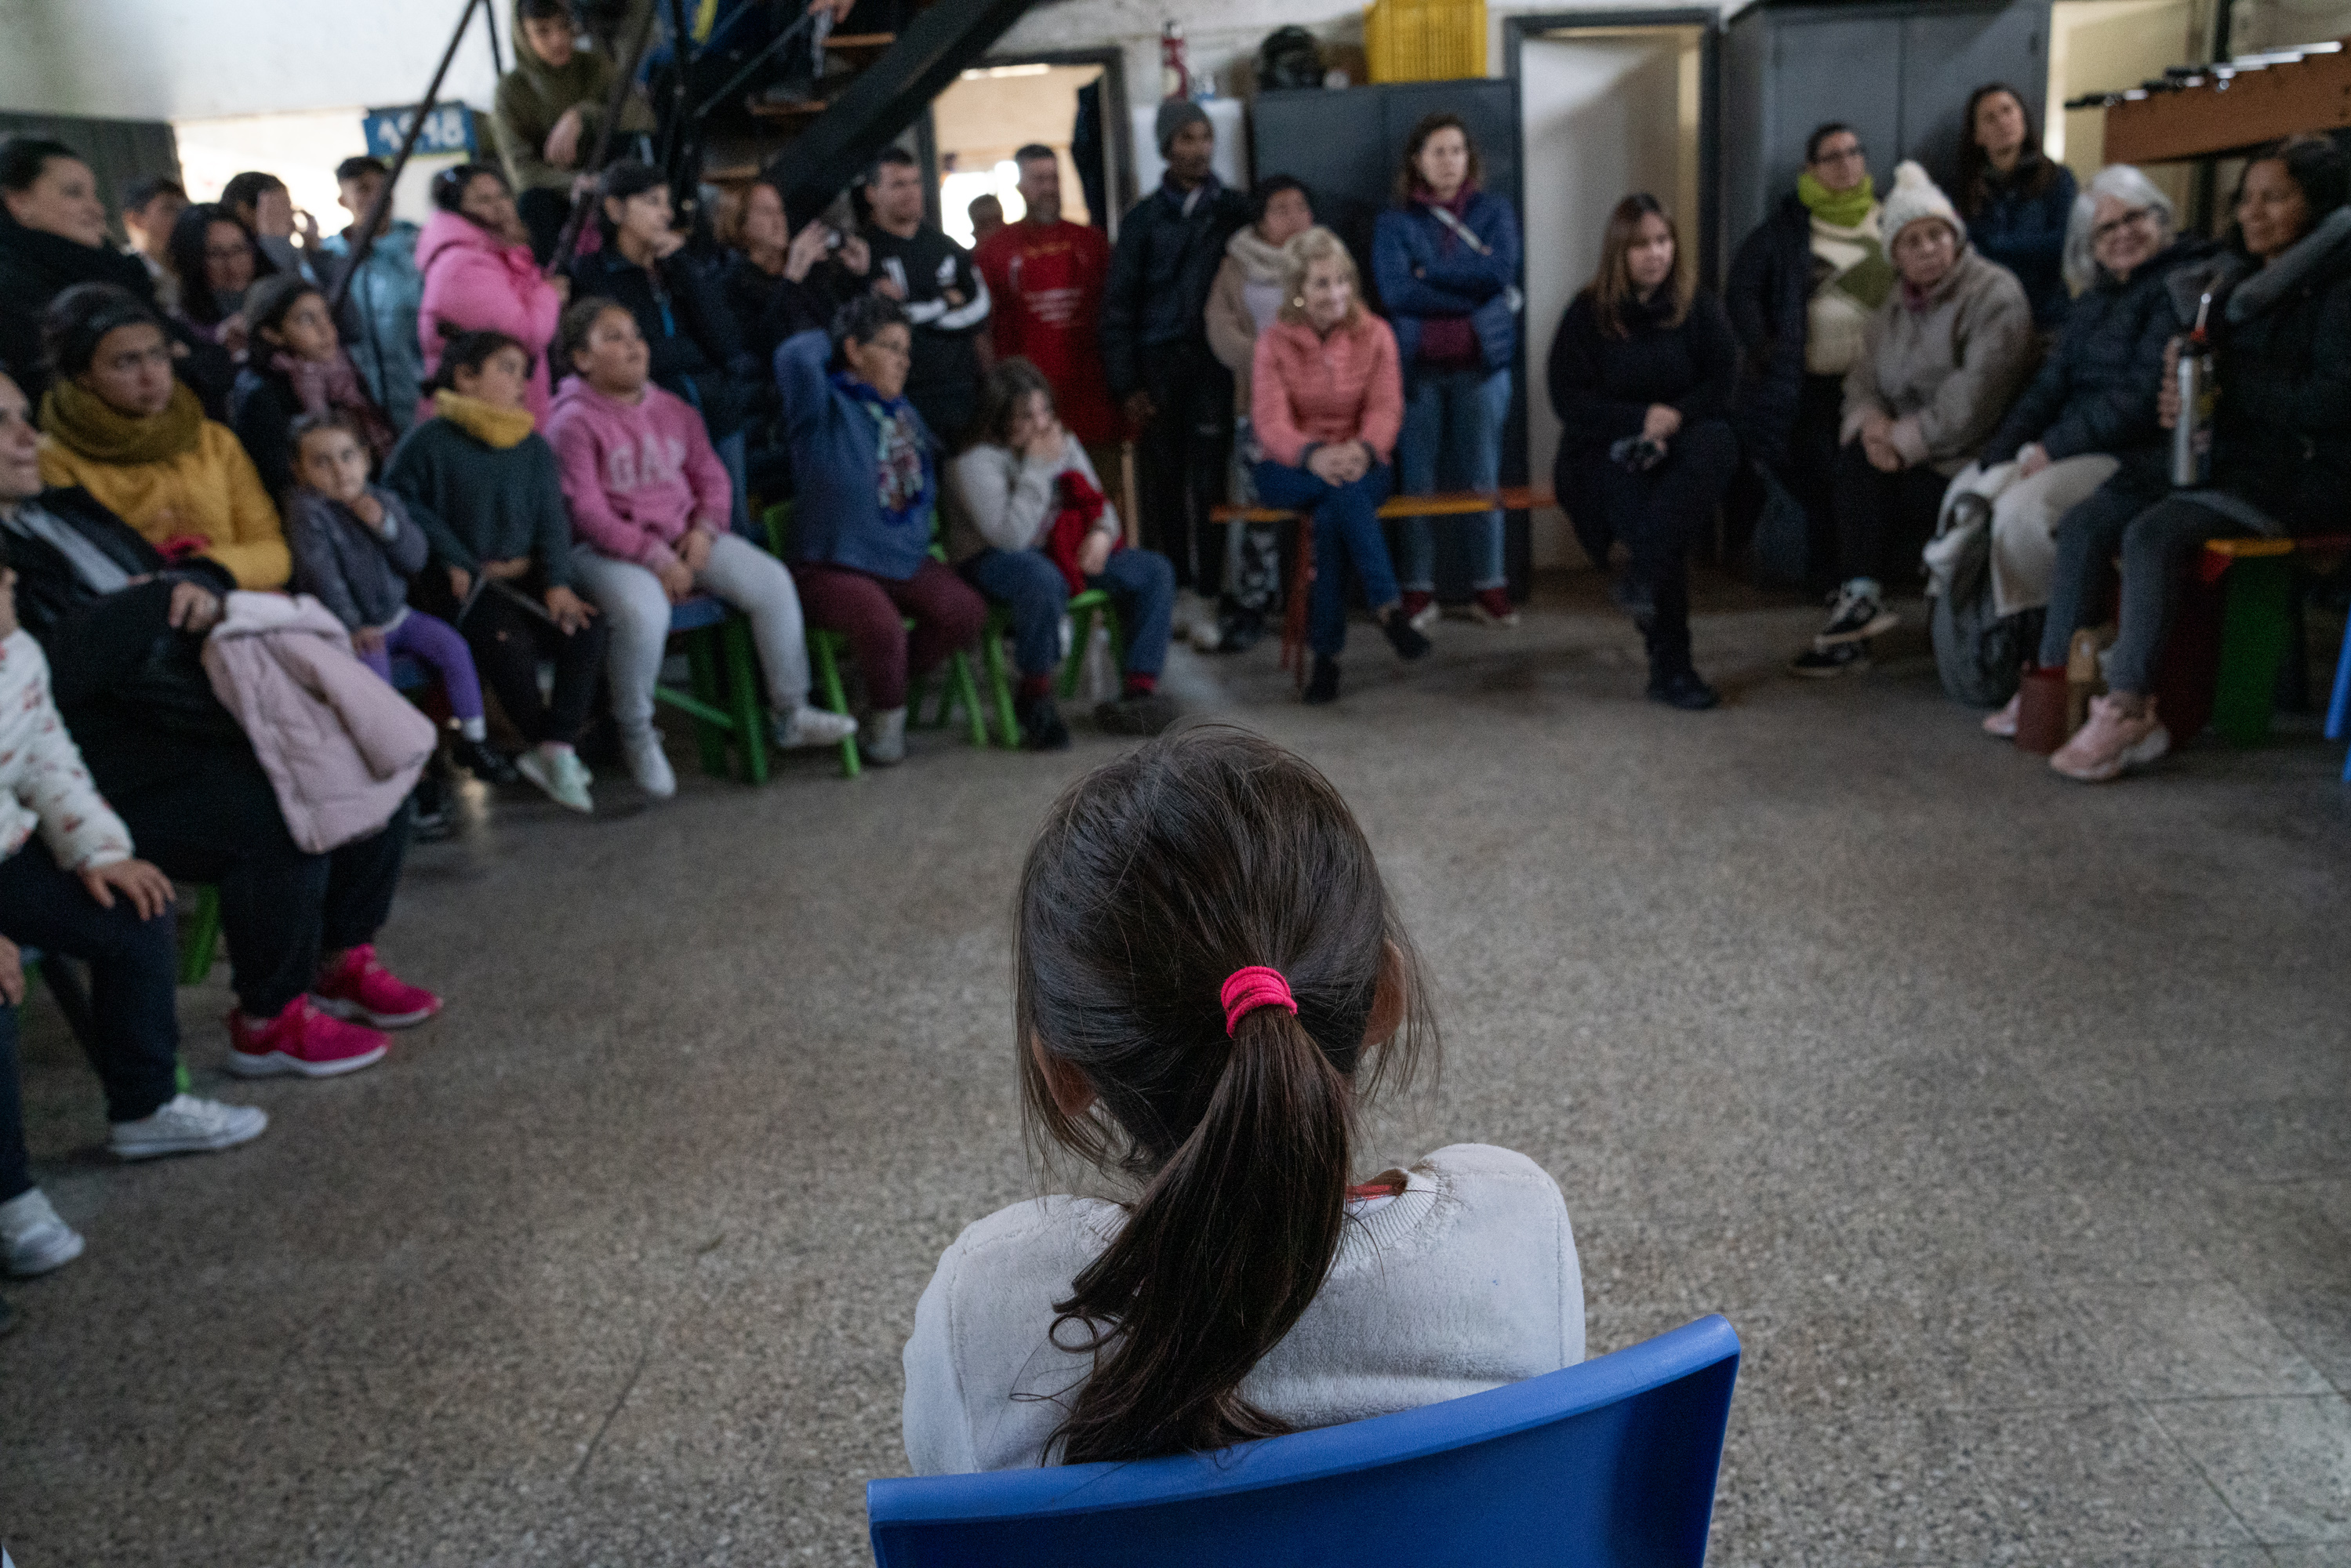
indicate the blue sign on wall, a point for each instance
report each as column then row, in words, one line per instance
column 448, row 129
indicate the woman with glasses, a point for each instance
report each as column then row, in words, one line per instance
column 2088, row 415
column 1800, row 294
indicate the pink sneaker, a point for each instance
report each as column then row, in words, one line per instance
column 363, row 989
column 2003, row 723
column 301, row 1039
column 2112, row 742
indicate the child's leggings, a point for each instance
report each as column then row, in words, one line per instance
column 434, row 643
column 637, row 610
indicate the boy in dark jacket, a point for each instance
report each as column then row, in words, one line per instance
column 1178, row 396
column 934, row 282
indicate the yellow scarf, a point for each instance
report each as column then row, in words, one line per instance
column 487, row 423
column 89, row 426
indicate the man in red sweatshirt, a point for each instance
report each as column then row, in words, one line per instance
column 1046, row 275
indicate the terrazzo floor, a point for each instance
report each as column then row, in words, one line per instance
column 2008, row 1121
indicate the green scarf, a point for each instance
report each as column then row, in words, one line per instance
column 1843, row 208
column 93, row 428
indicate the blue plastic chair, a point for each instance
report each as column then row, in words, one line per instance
column 1610, row 1464
column 2338, row 711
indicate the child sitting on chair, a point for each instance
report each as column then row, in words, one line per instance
column 355, row 548
column 68, row 885
column 1031, row 526
column 1209, row 978
column 650, row 501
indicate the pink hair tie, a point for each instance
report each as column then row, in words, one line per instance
column 1247, row 989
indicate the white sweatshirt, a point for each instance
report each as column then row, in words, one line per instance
column 43, row 783
column 1464, row 1281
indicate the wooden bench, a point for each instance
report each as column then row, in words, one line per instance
column 1450, row 504
column 2257, row 626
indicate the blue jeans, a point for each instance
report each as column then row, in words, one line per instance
column 1347, row 529
column 1141, row 582
column 1452, row 440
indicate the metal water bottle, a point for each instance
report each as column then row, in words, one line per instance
column 2192, row 434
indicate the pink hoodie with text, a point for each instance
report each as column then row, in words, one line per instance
column 637, row 476
column 475, row 282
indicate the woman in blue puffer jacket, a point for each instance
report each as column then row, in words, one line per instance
column 1446, row 259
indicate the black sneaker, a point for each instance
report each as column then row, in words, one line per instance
column 1683, row 689
column 1825, row 660
column 1407, row 642
column 1041, row 729
column 1323, row 686
column 1136, row 714
column 485, row 761
column 432, row 822
column 1856, row 614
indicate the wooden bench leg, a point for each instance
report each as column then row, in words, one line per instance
column 2254, row 632
column 1293, row 617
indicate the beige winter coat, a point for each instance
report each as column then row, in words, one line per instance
column 341, row 749
column 1947, row 373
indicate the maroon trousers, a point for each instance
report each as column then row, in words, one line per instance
column 872, row 613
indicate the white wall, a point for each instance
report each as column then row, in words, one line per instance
column 199, row 59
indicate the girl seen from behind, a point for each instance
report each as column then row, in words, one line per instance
column 1251, row 1287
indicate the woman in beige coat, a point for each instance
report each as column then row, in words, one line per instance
column 1940, row 363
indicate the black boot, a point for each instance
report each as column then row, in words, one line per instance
column 1323, row 686
column 485, row 761
column 1681, row 687
column 1041, row 729
column 1407, row 643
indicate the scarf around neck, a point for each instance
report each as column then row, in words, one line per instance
column 1843, row 208
column 89, row 426
column 902, row 479
column 1263, row 262
column 334, row 387
column 494, row 427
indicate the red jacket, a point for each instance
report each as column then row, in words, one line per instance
column 1308, row 390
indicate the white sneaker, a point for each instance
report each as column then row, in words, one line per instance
column 806, row 725
column 883, row 741
column 33, row 1239
column 187, row 1125
column 648, row 765
column 558, row 771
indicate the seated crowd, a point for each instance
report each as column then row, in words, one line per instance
column 487, row 458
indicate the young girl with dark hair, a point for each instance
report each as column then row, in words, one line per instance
column 296, row 366
column 1250, row 1287
column 483, row 485
column 480, row 277
column 1641, row 376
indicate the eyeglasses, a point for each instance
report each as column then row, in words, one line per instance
column 225, row 252
column 2113, row 226
column 1840, row 154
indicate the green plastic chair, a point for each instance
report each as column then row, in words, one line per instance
column 723, row 696
column 1084, row 609
column 827, row 649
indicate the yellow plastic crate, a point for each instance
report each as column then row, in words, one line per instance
column 1424, row 40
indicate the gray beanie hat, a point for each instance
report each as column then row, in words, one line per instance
column 1916, row 196
column 1173, row 115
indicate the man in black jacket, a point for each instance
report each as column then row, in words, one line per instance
column 1154, row 341
column 1799, row 291
column 944, row 297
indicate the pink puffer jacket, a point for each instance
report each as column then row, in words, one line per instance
column 341, row 749
column 475, row 281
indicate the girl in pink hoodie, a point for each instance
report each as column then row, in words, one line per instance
column 650, row 501
column 479, row 276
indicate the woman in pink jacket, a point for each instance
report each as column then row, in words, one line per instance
column 479, row 276
column 650, row 500
column 1326, row 401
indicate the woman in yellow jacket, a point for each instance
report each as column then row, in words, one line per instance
column 121, row 426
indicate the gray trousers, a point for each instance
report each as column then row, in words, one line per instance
column 637, row 611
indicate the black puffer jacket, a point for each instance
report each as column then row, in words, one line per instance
column 2096, row 389
column 36, row 266
column 2281, row 346
column 1768, row 293
column 697, row 349
column 1160, row 274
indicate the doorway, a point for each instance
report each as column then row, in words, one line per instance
column 1607, row 107
column 992, row 110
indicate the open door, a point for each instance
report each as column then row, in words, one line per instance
column 1606, row 110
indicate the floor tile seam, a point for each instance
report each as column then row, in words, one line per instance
column 2179, row 1447
column 2330, row 1393
column 2092, row 1332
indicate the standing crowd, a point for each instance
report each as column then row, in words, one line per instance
column 504, row 468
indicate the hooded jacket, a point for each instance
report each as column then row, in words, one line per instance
column 1946, row 370
column 382, row 309
column 2282, row 351
column 637, row 476
column 837, row 517
column 1422, row 270
column 475, row 282
column 534, row 95
column 2096, row 389
column 695, row 346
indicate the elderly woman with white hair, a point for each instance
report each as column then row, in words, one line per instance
column 2088, row 415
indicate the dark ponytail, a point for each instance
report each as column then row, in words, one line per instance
column 1154, row 878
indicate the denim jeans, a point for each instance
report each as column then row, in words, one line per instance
column 1346, row 530
column 2156, row 540
column 1452, row 440
column 1140, row 582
